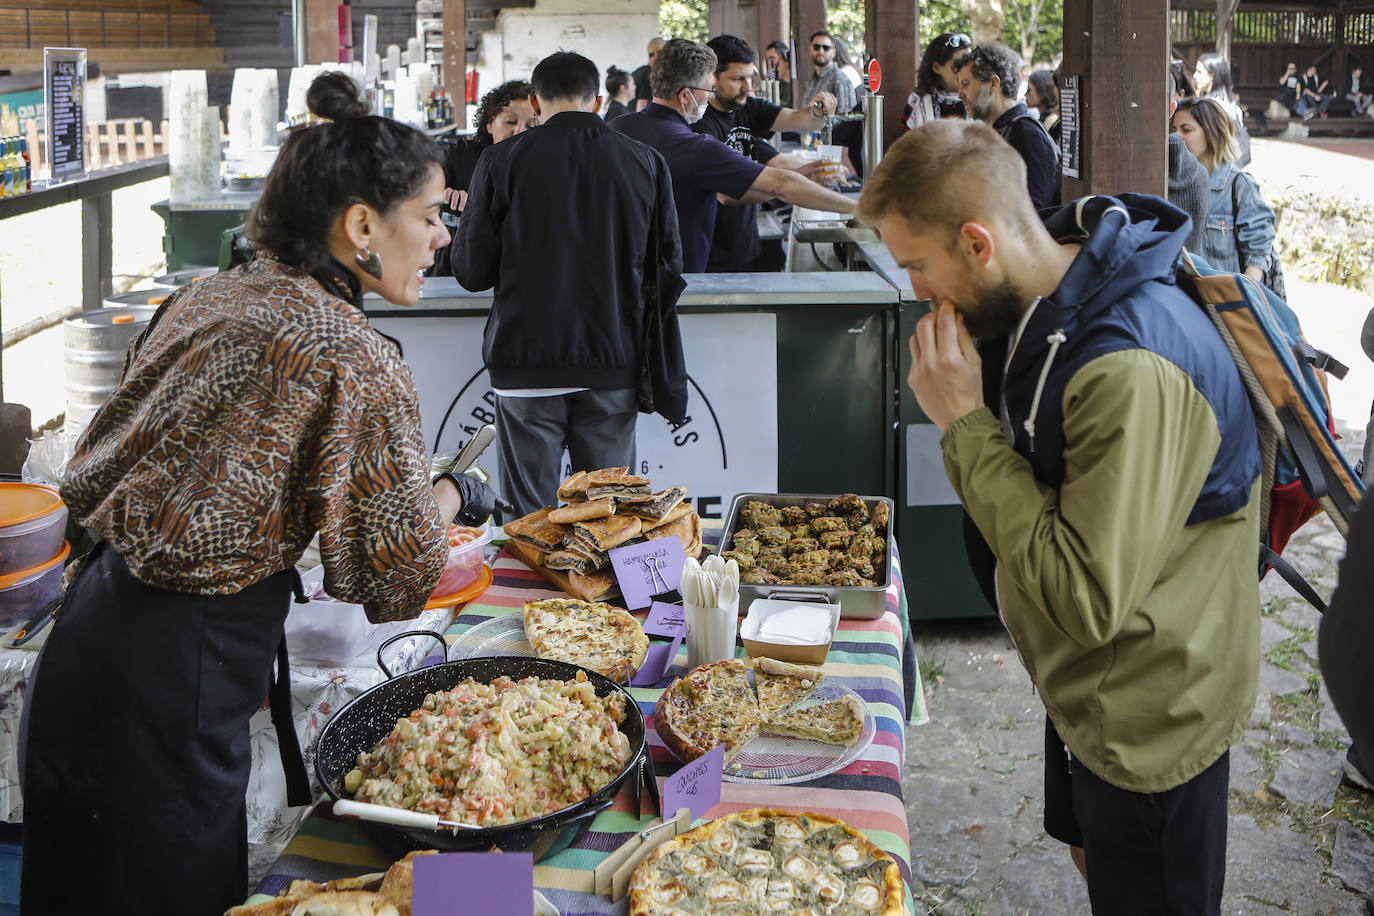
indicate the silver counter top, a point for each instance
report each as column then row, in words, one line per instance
column 443, row 294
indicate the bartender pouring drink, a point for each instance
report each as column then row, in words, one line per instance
column 258, row 408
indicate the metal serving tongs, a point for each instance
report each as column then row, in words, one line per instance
column 467, row 456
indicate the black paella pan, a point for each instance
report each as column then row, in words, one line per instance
column 370, row 717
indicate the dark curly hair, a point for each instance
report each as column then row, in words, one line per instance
column 941, row 48
column 494, row 101
column 322, row 170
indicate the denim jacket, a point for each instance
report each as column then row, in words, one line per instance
column 1240, row 229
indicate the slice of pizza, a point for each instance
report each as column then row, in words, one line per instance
column 595, row 635
column 782, row 685
column 837, row 721
column 712, row 704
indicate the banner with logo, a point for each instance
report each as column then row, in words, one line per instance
column 728, row 445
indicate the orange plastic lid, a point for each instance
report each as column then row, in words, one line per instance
column 156, row 300
column 22, row 502
column 479, row 585
column 122, row 319
column 15, row 577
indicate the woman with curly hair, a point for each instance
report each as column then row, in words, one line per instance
column 936, row 94
column 503, row 112
column 258, row 409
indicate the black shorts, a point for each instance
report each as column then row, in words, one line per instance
column 1156, row 852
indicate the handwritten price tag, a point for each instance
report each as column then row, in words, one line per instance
column 473, row 882
column 643, row 570
column 665, row 620
column 697, row 785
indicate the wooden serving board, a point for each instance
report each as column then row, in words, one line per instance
column 530, row 557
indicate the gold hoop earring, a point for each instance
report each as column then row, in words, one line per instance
column 371, row 263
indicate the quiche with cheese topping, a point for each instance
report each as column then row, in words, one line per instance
column 768, row 861
column 711, row 704
column 595, row 635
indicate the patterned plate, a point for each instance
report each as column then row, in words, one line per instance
column 776, row 760
column 504, row 635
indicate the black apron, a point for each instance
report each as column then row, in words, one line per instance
column 137, row 755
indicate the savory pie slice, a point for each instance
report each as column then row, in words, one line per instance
column 605, row 533
column 585, row 485
column 710, row 705
column 535, row 530
column 654, row 506
column 782, row 685
column 595, row 586
column 571, row 558
column 606, row 639
column 837, row 721
column 589, row 509
column 683, row 508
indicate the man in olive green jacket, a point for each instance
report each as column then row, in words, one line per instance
column 1112, row 474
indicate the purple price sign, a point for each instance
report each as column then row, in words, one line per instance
column 656, row 662
column 493, row 884
column 696, row 786
column 650, row 568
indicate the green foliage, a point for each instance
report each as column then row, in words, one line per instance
column 683, row 19
column 1034, row 28
column 845, row 20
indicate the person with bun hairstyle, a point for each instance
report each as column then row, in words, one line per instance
column 620, row 89
column 504, row 112
column 257, row 410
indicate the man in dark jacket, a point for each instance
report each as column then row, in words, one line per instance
column 1101, row 439
column 564, row 221
column 989, row 78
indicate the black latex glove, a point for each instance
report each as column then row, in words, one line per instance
column 479, row 500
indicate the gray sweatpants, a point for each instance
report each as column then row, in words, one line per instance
column 597, row 427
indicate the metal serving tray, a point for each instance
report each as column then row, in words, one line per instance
column 853, row 601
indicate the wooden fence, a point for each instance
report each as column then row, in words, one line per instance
column 115, row 142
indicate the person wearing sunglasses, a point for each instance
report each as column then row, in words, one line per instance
column 937, row 92
column 826, row 75
column 702, row 167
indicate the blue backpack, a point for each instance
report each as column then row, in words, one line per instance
column 1304, row 470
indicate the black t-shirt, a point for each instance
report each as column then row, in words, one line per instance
column 735, row 245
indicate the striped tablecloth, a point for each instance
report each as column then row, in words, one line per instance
column 866, row 656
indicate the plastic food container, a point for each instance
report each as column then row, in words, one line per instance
column 33, row 522
column 759, row 646
column 24, row 593
column 464, row 559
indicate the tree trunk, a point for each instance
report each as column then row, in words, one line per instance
column 1226, row 11
column 986, row 19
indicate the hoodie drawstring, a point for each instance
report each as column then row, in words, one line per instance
column 1055, row 340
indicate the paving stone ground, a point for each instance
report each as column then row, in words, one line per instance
column 1299, row 839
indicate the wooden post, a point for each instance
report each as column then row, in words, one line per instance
column 97, row 251
column 1226, row 14
column 807, row 17
column 1119, row 50
column 892, row 30
column 722, row 18
column 455, row 54
column 145, row 139
column 773, row 23
column 321, row 31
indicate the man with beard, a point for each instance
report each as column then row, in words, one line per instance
column 1100, row 438
column 989, row 78
column 703, row 168
column 743, row 122
column 826, row 75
